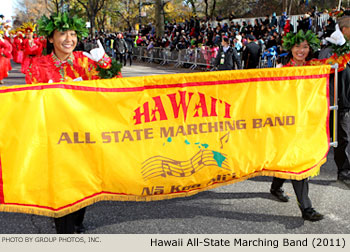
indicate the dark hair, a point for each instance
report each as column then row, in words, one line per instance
column 49, row 47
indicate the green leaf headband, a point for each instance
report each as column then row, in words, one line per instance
column 291, row 39
column 61, row 22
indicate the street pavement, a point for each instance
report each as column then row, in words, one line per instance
column 245, row 207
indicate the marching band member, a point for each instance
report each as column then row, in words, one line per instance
column 301, row 47
column 5, row 56
column 18, row 46
column 62, row 65
column 31, row 47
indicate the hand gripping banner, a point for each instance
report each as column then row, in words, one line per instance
column 67, row 145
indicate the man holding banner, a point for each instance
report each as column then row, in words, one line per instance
column 342, row 152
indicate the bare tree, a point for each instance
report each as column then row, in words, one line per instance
column 29, row 11
column 92, row 7
column 159, row 14
column 206, row 8
column 192, row 3
column 339, row 4
column 53, row 5
column 290, row 6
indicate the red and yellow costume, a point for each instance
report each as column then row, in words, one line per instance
column 43, row 41
column 49, row 68
column 5, row 56
column 340, row 60
column 18, row 48
column 31, row 47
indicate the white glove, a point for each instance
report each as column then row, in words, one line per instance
column 337, row 37
column 97, row 53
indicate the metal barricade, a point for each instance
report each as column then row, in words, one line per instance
column 267, row 62
column 197, row 57
column 165, row 53
column 147, row 54
column 186, row 56
column 204, row 58
column 174, row 56
column 157, row 55
column 137, row 52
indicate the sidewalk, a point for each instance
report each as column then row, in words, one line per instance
column 15, row 76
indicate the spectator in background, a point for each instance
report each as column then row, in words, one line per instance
column 150, row 44
column 282, row 21
column 227, row 57
column 251, row 53
column 244, row 28
column 139, row 40
column 304, row 23
column 266, row 22
column 271, row 42
column 121, row 48
column 238, row 45
column 269, row 55
column 257, row 29
column 273, row 20
column 130, row 47
column 288, row 27
column 330, row 27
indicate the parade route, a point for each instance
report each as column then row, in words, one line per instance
column 242, row 208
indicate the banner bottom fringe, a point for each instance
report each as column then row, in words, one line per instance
column 107, row 197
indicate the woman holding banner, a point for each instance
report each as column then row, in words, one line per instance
column 61, row 65
column 301, row 46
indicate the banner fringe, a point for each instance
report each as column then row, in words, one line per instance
column 107, row 197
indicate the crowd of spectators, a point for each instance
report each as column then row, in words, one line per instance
column 267, row 32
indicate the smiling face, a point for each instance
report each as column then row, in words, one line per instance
column 300, row 52
column 64, row 42
column 29, row 35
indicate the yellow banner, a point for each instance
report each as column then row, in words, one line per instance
column 67, row 145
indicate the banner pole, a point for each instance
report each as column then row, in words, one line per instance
column 334, row 142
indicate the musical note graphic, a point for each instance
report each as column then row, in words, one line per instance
column 228, row 137
column 159, row 166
